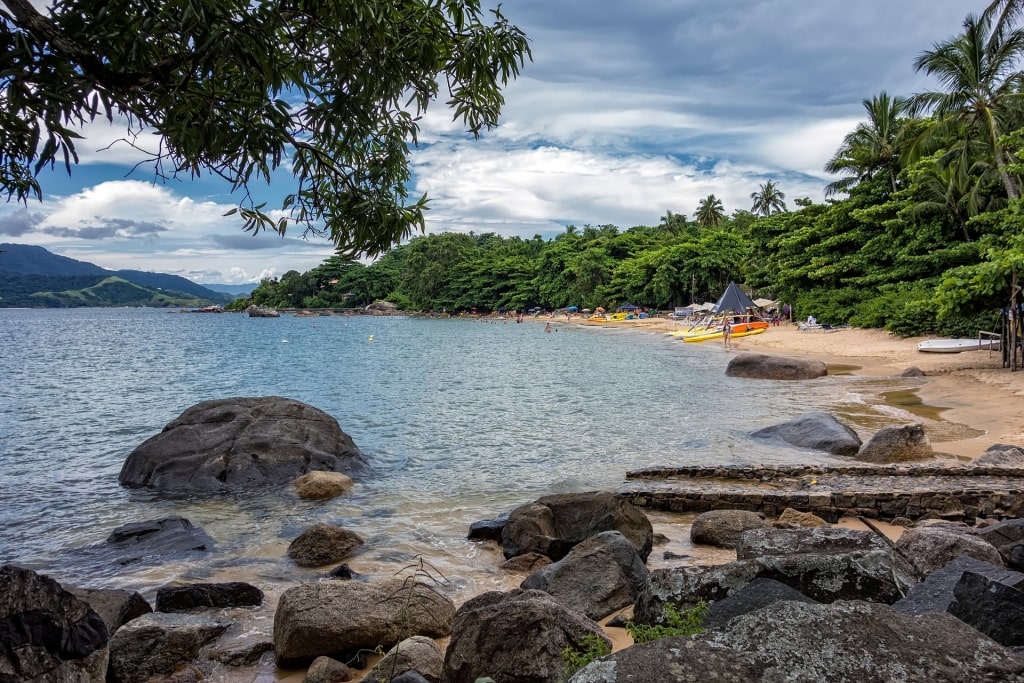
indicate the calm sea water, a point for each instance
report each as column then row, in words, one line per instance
column 461, row 420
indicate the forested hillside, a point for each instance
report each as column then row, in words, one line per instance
column 32, row 277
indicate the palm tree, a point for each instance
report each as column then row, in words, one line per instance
column 768, row 200
column 872, row 146
column 946, row 189
column 672, row 224
column 710, row 212
column 983, row 96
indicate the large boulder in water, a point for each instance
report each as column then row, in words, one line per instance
column 241, row 443
column 817, row 430
column 766, row 366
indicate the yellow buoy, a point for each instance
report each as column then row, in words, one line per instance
column 371, row 337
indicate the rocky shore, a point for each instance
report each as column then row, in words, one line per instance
column 795, row 598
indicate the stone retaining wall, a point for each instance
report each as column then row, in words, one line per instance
column 876, row 492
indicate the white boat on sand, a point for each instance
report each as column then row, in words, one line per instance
column 957, row 345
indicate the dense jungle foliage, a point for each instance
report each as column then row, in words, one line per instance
column 922, row 232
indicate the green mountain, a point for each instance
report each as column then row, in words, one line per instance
column 32, row 277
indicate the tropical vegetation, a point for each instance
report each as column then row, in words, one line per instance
column 331, row 92
column 922, row 231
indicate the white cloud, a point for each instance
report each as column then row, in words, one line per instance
column 137, row 225
column 628, row 110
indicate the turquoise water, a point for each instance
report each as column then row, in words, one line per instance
column 461, row 420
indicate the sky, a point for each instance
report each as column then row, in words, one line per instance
column 629, row 109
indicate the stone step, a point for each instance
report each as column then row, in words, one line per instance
column 960, row 493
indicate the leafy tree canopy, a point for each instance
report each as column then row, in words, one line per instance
column 239, row 88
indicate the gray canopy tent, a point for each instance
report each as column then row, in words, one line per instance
column 733, row 299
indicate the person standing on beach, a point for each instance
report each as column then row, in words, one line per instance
column 726, row 332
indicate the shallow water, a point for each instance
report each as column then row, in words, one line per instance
column 461, row 420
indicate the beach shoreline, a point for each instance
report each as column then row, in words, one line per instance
column 971, row 388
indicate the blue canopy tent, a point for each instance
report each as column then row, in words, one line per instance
column 628, row 307
column 573, row 308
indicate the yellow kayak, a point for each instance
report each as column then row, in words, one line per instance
column 718, row 335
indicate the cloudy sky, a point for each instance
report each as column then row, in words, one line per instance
column 630, row 108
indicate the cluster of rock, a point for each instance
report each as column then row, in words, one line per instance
column 255, row 311
column 803, row 601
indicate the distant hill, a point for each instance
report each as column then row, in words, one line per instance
column 25, row 259
column 235, row 290
column 33, row 277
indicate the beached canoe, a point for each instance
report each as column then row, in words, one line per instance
column 957, row 345
column 718, row 334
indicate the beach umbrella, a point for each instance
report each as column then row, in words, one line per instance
column 573, row 308
column 628, row 307
column 598, row 310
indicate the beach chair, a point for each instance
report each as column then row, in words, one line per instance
column 805, row 326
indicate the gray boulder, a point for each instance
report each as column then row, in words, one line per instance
column 932, row 547
column 528, row 563
column 1001, row 454
column 722, row 528
column 992, row 607
column 46, row 633
column 805, row 562
column 935, row 593
column 245, row 649
column 115, row 607
column 859, row 642
column 238, row 444
column 148, row 542
column 673, row 660
column 255, row 311
column 323, row 544
column 895, row 444
column 766, row 366
column 554, row 524
column 790, row 519
column 600, row 575
column 845, row 642
column 419, row 654
column 338, row 618
column 487, row 529
column 806, row 541
column 327, row 670
column 1008, row 538
column 819, row 431
column 753, row 596
column 516, row 636
column 190, row 596
column 159, row 644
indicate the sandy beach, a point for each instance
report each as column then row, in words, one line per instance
column 970, row 388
